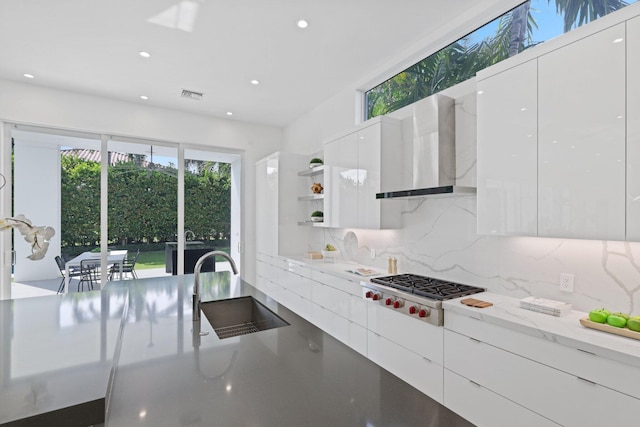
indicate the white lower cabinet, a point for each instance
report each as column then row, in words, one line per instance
column 413, row 334
column 350, row 333
column 295, row 303
column 420, row 372
column 483, row 407
column 564, row 398
column 409, row 348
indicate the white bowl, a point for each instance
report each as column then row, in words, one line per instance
column 330, row 254
column 313, row 165
column 317, row 218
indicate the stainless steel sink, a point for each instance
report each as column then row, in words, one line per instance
column 240, row 316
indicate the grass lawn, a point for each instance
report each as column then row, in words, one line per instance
column 155, row 259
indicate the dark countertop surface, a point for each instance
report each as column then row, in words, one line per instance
column 295, row 375
column 61, row 350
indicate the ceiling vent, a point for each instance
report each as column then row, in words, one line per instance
column 191, row 94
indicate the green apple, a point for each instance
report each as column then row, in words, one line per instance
column 634, row 323
column 599, row 315
column 625, row 315
column 616, row 320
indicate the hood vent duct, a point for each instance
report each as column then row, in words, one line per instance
column 433, row 151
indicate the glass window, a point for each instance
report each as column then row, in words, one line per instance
column 527, row 25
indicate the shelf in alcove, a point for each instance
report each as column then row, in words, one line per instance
column 312, row 223
column 311, row 197
column 312, row 171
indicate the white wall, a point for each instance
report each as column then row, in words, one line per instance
column 30, row 104
column 37, row 196
column 439, row 237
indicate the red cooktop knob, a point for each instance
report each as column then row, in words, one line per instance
column 413, row 309
column 388, row 301
column 397, row 304
column 369, row 294
column 422, row 313
column 376, row 297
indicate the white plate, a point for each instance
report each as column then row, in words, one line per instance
column 350, row 245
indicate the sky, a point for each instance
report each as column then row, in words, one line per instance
column 550, row 24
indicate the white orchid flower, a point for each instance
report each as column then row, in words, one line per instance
column 38, row 237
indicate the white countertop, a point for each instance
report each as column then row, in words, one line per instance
column 506, row 312
column 565, row 330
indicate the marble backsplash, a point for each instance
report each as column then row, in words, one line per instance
column 439, row 239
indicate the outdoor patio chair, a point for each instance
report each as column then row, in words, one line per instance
column 73, row 272
column 89, row 273
column 128, row 267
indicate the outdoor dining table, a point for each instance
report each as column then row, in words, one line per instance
column 113, row 257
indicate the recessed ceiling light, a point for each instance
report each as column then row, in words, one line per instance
column 229, row 113
column 29, row 76
column 255, row 82
column 303, row 24
column 144, row 54
column 618, row 40
column 144, row 97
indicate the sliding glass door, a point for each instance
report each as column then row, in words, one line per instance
column 143, row 205
column 111, row 197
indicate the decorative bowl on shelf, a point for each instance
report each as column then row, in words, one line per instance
column 317, row 216
column 330, row 254
column 315, row 162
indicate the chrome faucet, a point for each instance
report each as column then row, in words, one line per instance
column 186, row 233
column 196, row 279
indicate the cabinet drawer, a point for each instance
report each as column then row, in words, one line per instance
column 281, row 263
column 299, row 269
column 485, row 408
column 299, row 285
column 352, row 287
column 295, row 303
column 609, row 373
column 421, row 373
column 273, row 290
column 261, row 284
column 331, row 299
column 358, row 310
column 261, row 269
column 350, row 333
column 358, row 338
column 561, row 397
column 416, row 335
column 341, row 303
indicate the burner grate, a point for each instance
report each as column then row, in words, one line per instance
column 426, row 286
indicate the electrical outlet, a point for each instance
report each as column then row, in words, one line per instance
column 373, row 254
column 566, row 282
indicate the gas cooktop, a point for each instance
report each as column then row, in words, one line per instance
column 427, row 287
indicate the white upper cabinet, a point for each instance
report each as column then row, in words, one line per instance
column 358, row 165
column 277, row 209
column 341, row 182
column 633, row 129
column 557, row 156
column 581, row 138
column 507, row 152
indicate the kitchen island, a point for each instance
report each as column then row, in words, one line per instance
column 296, row 375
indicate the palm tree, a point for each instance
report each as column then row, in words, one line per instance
column 578, row 12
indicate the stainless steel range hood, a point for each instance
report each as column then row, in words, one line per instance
column 433, row 151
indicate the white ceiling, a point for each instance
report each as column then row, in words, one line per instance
column 91, row 46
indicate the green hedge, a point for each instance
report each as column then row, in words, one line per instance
column 142, row 204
